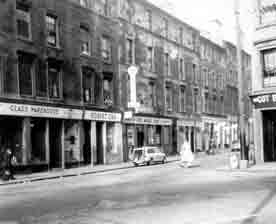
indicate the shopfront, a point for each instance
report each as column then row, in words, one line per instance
column 264, row 116
column 44, row 137
column 191, row 131
column 147, row 131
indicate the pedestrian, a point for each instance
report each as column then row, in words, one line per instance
column 187, row 156
column 9, row 162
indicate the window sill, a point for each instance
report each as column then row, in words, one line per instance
column 26, row 40
column 57, row 48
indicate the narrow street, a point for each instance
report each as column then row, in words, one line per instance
column 154, row 194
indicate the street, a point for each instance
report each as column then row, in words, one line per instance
column 154, row 194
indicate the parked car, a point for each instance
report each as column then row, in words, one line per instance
column 148, row 155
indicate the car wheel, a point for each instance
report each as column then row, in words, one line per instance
column 164, row 160
column 135, row 164
column 148, row 163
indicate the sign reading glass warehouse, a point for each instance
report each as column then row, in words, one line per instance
column 264, row 101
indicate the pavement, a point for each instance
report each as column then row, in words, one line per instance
column 86, row 170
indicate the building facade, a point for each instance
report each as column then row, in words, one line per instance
column 263, row 88
column 58, row 81
column 67, row 97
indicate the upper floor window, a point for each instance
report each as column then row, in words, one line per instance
column 129, row 51
column 88, row 76
column 106, row 49
column 195, row 100
column 180, row 35
column 166, row 64
column 25, row 73
column 54, row 79
column 181, row 69
column 52, row 30
column 152, row 94
column 23, row 22
column 107, row 91
column 84, row 3
column 206, row 102
column 182, row 98
column 194, row 78
column 150, row 58
column 165, row 28
column 85, row 40
column 149, row 19
column 169, row 98
column 269, row 67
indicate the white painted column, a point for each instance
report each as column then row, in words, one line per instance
column 258, row 136
column 26, row 141
column 93, row 140
column 104, row 142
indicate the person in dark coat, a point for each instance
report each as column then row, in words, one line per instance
column 8, row 173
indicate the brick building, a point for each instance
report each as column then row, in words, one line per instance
column 65, row 87
column 58, row 81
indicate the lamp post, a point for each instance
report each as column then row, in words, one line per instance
column 243, row 162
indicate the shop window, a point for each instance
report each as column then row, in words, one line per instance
column 106, row 49
column 269, row 67
column 88, row 76
column 151, row 133
column 169, row 98
column 166, row 135
column 54, row 79
column 25, row 73
column 52, row 30
column 129, row 51
column 107, row 88
column 23, row 22
column 110, row 138
column 85, row 40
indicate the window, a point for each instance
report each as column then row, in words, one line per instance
column 54, row 79
column 205, row 77
column 269, row 67
column 106, row 7
column 152, row 94
column 107, row 88
column 166, row 64
column 23, row 22
column 181, row 69
column 106, row 49
column 110, row 134
column 88, row 85
column 206, row 103
column 182, row 99
column 25, row 73
column 85, row 40
column 195, row 101
column 169, row 98
column 194, row 72
column 84, row 3
column 180, row 35
column 150, row 58
column 149, row 19
column 52, row 30
column 165, row 28
column 221, row 105
column 129, row 51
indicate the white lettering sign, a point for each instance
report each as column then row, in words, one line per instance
column 149, row 121
column 261, row 99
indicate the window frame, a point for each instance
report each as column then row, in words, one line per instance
column 85, row 31
column 106, row 48
column 59, row 78
column 56, row 30
column 23, row 13
column 130, row 59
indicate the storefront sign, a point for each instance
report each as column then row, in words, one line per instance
column 264, row 101
column 149, row 121
column 55, row 112
column 187, row 123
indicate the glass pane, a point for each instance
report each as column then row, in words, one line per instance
column 25, row 74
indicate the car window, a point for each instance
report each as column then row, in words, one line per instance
column 151, row 150
column 138, row 153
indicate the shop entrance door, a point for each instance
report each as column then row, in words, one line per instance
column 87, row 143
column 140, row 136
column 269, row 126
column 193, row 140
column 99, row 145
column 55, row 128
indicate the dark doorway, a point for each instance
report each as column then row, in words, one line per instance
column 269, row 128
column 87, row 143
column 193, row 139
column 55, row 128
column 99, row 143
column 38, row 132
column 140, row 136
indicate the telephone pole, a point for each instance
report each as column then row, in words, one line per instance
column 240, row 84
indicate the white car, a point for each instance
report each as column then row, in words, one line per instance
column 148, row 155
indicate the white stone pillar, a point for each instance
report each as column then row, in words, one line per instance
column 258, row 136
column 104, row 142
column 26, row 141
column 93, row 140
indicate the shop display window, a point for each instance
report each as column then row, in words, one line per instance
column 110, row 138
